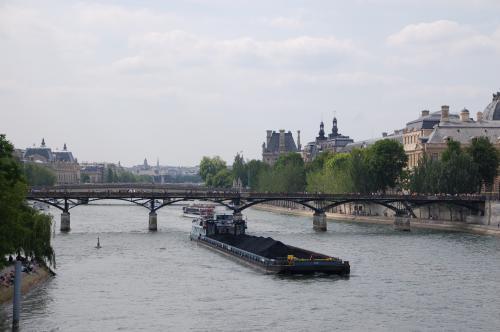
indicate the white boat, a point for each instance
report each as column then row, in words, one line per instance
column 198, row 210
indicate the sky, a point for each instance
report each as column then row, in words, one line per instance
column 178, row 80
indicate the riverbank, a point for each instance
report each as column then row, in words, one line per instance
column 29, row 281
column 415, row 223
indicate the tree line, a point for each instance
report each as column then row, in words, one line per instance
column 377, row 168
column 23, row 230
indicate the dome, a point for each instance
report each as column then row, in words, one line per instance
column 492, row 111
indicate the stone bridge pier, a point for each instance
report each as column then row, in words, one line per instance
column 153, row 221
column 65, row 218
column 402, row 222
column 65, row 221
column 319, row 221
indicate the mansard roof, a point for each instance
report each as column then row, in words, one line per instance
column 463, row 132
column 274, row 143
column 428, row 121
column 44, row 152
column 65, row 156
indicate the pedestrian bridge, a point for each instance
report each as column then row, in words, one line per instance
column 156, row 196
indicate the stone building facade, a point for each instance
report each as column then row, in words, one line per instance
column 64, row 165
column 277, row 144
column 428, row 135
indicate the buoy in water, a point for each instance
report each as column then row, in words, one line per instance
column 98, row 246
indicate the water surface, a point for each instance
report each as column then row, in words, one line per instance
column 422, row 280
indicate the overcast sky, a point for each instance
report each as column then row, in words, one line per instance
column 124, row 80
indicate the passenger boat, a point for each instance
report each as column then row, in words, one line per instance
column 198, row 210
column 227, row 236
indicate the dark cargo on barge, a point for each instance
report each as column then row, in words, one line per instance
column 227, row 236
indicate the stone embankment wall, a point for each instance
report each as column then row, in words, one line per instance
column 479, row 225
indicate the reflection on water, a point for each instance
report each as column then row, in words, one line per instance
column 422, row 280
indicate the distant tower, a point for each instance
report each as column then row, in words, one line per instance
column 335, row 130
column 157, row 163
column 299, row 146
column 321, row 131
column 43, row 142
column 145, row 163
column 65, row 148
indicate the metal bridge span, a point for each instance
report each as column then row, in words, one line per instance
column 147, row 196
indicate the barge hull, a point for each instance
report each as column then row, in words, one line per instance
column 312, row 267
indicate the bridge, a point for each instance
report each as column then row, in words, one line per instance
column 156, row 196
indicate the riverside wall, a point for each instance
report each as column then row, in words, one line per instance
column 458, row 226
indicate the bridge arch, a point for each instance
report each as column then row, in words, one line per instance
column 255, row 202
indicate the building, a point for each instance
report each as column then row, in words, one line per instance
column 277, row 144
column 397, row 136
column 93, row 172
column 334, row 142
column 429, row 134
column 64, row 165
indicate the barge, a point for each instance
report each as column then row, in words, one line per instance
column 227, row 236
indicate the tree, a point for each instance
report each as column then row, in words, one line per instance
column 223, row 179
column 239, row 170
column 254, row 169
column 39, row 175
column 210, row 167
column 459, row 173
column 385, row 160
column 486, row 157
column 22, row 229
column 287, row 175
column 426, row 177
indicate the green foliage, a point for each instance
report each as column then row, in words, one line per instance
column 455, row 173
column 39, row 175
column 239, row 170
column 385, row 160
column 254, row 170
column 22, row 229
column 363, row 170
column 223, row 179
column 287, row 175
column 211, row 166
column 486, row 157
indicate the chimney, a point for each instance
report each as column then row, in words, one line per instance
column 282, row 140
column 269, row 134
column 464, row 115
column 425, row 113
column 479, row 116
column 445, row 113
column 299, row 147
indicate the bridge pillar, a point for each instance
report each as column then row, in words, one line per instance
column 402, row 222
column 319, row 221
column 153, row 221
column 65, row 222
column 237, row 216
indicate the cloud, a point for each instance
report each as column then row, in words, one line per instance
column 286, row 23
column 182, row 47
column 428, row 42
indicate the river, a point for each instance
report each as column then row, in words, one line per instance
column 142, row 281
